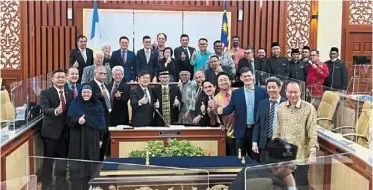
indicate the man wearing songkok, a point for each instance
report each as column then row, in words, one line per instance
column 298, row 69
column 338, row 75
column 120, row 94
column 277, row 174
column 306, row 54
column 167, row 101
column 296, row 123
column 188, row 95
column 277, row 65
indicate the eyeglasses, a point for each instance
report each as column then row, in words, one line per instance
column 101, row 73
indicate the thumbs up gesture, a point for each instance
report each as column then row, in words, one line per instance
column 156, row 104
column 220, row 110
column 176, row 102
column 194, row 55
column 117, row 94
column 82, row 120
column 180, row 84
column 76, row 64
column 59, row 109
column 203, row 108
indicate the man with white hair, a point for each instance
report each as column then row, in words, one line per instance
column 120, row 94
column 88, row 72
column 106, row 49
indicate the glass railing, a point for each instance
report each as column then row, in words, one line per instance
column 300, row 174
column 136, row 173
column 24, row 183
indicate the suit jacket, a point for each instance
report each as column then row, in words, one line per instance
column 96, row 91
column 129, row 66
column 184, row 64
column 174, row 92
column 150, row 66
column 260, row 134
column 211, row 76
column 75, row 55
column 172, row 68
column 278, row 66
column 238, row 104
column 89, row 74
column 141, row 115
column 199, row 99
column 119, row 112
column 78, row 86
column 53, row 126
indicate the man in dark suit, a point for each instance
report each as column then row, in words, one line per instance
column 146, row 58
column 277, row 65
column 142, row 102
column 245, row 102
column 72, row 79
column 126, row 59
column 120, row 94
column 184, row 54
column 81, row 56
column 54, row 102
column 101, row 92
column 199, row 77
column 167, row 101
column 250, row 62
column 265, row 121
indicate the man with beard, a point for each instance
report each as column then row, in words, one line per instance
column 199, row 77
column 188, row 89
column 168, row 100
column 208, row 106
column 236, row 52
column 226, row 60
column 298, row 69
column 277, row 65
column 184, row 53
column 222, row 100
column 338, row 77
column 81, row 56
column 306, row 54
column 72, row 79
column 215, row 68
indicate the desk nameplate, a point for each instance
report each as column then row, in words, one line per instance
column 169, row 133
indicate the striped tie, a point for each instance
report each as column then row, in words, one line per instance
column 271, row 118
column 107, row 100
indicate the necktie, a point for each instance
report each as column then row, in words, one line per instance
column 107, row 101
column 124, row 57
column 147, row 56
column 271, row 118
column 187, row 53
column 115, row 88
column 84, row 55
column 62, row 100
column 166, row 105
column 74, row 90
column 146, row 94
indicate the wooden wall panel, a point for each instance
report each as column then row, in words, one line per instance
column 262, row 23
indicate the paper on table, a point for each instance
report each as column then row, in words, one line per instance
column 123, row 127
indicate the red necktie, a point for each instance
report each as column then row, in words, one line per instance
column 74, row 93
column 124, row 57
column 62, row 100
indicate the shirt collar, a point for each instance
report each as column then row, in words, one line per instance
column 277, row 100
column 58, row 89
column 249, row 88
column 98, row 82
column 298, row 105
column 164, row 86
column 82, row 50
column 70, row 84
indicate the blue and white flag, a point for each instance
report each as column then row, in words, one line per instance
column 95, row 29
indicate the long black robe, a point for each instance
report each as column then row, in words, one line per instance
column 173, row 92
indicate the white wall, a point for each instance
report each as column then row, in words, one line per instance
column 329, row 27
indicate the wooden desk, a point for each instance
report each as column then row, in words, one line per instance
column 123, row 141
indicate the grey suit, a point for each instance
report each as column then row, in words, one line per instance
column 89, row 74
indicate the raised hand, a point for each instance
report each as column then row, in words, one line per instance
column 59, row 109
column 117, row 94
column 176, row 101
column 219, row 110
column 76, row 64
column 144, row 100
column 82, row 120
column 203, row 108
column 156, row 104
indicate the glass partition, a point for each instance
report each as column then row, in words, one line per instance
column 24, row 183
column 121, row 173
column 298, row 174
column 49, row 81
column 21, row 107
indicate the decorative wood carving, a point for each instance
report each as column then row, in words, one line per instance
column 361, row 12
column 297, row 24
column 10, row 34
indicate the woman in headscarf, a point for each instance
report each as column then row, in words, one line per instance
column 170, row 64
column 86, row 121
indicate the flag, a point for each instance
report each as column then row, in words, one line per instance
column 224, row 28
column 95, row 29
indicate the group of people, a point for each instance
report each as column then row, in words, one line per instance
column 220, row 89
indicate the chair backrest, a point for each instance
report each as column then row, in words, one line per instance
column 326, row 109
column 6, row 106
column 363, row 123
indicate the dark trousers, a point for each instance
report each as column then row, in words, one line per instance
column 263, row 152
column 55, row 148
column 105, row 147
column 230, row 146
column 80, row 184
column 301, row 177
column 245, row 144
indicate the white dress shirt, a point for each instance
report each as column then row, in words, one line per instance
column 147, row 94
column 84, row 54
column 99, row 84
column 63, row 94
